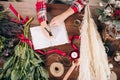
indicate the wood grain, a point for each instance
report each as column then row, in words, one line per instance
column 28, row 9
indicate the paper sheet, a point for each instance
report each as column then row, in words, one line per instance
column 40, row 41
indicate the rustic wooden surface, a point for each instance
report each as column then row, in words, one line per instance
column 28, row 9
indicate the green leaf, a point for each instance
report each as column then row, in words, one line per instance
column 36, row 62
column 99, row 11
column 43, row 73
column 37, row 56
column 9, row 63
column 32, row 74
column 14, row 75
column 27, row 64
column 1, row 75
column 20, row 51
column 8, row 72
column 1, row 15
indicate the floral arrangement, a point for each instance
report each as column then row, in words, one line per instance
column 110, row 17
column 23, row 63
column 111, row 11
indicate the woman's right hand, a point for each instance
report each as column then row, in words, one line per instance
column 46, row 29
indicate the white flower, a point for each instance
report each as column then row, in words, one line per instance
column 108, row 12
column 117, row 4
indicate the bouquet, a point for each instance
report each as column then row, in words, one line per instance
column 24, row 64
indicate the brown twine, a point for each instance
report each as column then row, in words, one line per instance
column 57, row 69
column 57, row 64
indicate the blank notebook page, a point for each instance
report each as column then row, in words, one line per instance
column 40, row 41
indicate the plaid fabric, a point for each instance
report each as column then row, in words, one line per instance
column 41, row 10
column 77, row 6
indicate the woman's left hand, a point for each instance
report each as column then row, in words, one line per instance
column 57, row 20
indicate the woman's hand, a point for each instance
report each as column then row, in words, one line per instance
column 61, row 18
column 57, row 20
column 46, row 29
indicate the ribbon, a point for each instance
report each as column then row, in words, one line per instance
column 28, row 41
column 75, row 54
column 71, row 38
column 51, row 51
column 57, row 51
column 14, row 11
column 25, row 40
column 20, row 18
column 14, row 20
column 72, row 56
column 25, row 20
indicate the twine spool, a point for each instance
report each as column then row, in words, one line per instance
column 74, row 55
column 77, row 22
column 57, row 69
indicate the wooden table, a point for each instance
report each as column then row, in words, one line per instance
column 28, row 9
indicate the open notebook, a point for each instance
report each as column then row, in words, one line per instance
column 40, row 41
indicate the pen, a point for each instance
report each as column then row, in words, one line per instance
column 49, row 32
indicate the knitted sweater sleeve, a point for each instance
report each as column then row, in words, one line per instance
column 79, row 5
column 41, row 10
